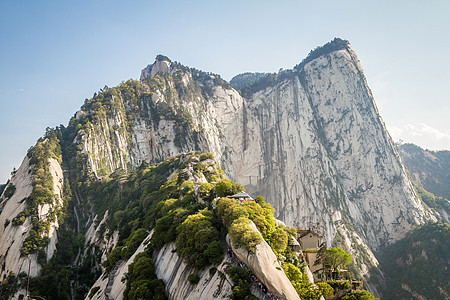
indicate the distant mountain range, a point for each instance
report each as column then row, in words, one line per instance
column 431, row 169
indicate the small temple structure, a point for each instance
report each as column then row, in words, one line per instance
column 309, row 239
column 242, row 196
column 310, row 242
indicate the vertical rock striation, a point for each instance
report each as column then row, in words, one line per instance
column 13, row 236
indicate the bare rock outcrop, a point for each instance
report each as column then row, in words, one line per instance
column 12, row 236
column 265, row 266
column 174, row 272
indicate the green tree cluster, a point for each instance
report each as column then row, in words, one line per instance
column 142, row 282
column 430, row 199
column 261, row 213
column 241, row 283
column 198, row 240
column 332, row 260
column 42, row 193
column 430, row 168
column 227, row 187
column 11, row 284
column 236, row 215
column 243, row 235
column 146, row 200
column 193, row 278
column 360, row 295
column 9, row 192
column 300, row 283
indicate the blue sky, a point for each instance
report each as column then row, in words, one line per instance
column 54, row 54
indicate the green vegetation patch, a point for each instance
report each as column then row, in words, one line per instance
column 359, row 295
column 10, row 190
column 429, row 167
column 300, row 283
column 334, row 45
column 11, row 285
column 164, row 199
column 193, row 278
column 42, row 181
column 430, row 199
column 241, row 283
column 420, row 260
column 198, row 239
column 142, row 282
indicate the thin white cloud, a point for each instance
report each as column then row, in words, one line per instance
column 423, row 135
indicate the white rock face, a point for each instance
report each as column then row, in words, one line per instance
column 162, row 66
column 106, row 144
column 172, row 269
column 265, row 266
column 58, row 183
column 174, row 272
column 12, row 237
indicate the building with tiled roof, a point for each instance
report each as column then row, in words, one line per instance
column 242, row 196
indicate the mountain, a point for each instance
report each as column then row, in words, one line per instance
column 309, row 139
column 417, row 266
column 428, row 168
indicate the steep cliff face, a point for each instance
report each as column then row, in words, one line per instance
column 323, row 148
column 310, row 139
column 319, row 147
column 104, row 136
column 174, row 272
column 13, row 236
column 266, row 267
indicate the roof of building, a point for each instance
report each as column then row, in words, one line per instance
column 241, row 195
column 302, row 233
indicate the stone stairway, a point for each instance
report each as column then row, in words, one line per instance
column 111, row 277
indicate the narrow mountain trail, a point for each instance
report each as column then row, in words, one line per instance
column 111, row 278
